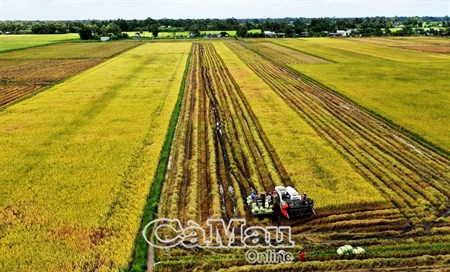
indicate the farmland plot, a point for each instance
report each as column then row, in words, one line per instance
column 78, row 161
column 29, row 70
column 374, row 186
column 344, row 50
column 413, row 178
column 370, row 145
column 428, row 44
column 380, row 52
column 14, row 42
column 412, row 91
column 85, row 50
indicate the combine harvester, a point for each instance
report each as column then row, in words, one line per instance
column 292, row 205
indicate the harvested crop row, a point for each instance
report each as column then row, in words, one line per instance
column 191, row 139
column 402, row 169
column 285, row 55
column 219, row 152
column 431, row 46
column 41, row 71
column 12, row 92
column 72, row 51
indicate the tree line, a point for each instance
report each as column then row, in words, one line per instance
column 290, row 27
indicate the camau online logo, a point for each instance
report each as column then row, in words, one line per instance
column 217, row 234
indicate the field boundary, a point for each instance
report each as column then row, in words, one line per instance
column 140, row 255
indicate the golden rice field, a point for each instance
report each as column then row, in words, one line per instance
column 78, row 160
column 185, row 130
column 410, row 89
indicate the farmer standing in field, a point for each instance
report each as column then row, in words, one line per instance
column 276, row 209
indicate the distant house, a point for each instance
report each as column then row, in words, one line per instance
column 340, row 33
column 272, row 34
column 305, row 34
column 269, row 34
column 137, row 36
column 105, row 38
column 213, row 35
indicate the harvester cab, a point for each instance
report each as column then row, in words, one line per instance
column 292, row 204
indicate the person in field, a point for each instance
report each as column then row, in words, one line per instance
column 263, row 199
column 284, row 210
column 269, row 199
column 301, row 256
column 254, row 194
column 276, row 209
column 304, row 197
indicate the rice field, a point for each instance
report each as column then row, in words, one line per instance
column 412, row 93
column 186, row 130
column 423, row 44
column 394, row 187
column 25, row 72
column 14, row 42
column 78, row 162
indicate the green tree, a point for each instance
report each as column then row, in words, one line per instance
column 194, row 30
column 113, row 30
column 154, row 29
column 300, row 27
column 242, row 31
column 289, row 31
column 85, row 32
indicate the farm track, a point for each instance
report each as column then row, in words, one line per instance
column 220, row 151
column 407, row 173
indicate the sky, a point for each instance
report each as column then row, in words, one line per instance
column 141, row 9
